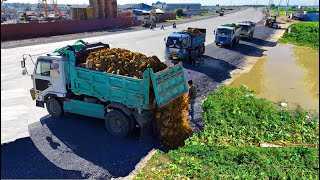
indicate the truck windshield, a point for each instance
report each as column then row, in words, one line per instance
column 224, row 31
column 174, row 41
column 43, row 68
column 245, row 28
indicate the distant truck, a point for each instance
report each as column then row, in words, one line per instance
column 227, row 34
column 247, row 29
column 179, row 45
column 60, row 83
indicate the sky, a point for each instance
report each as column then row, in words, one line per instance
column 203, row 2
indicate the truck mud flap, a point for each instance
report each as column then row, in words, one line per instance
column 169, row 84
column 145, row 126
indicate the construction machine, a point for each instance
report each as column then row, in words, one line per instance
column 63, row 86
column 57, row 13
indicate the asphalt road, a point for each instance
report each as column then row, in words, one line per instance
column 79, row 147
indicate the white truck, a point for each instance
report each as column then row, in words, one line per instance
column 247, row 29
column 227, row 34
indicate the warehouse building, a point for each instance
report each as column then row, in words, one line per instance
column 173, row 6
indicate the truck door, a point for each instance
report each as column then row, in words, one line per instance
column 57, row 78
column 48, row 79
column 42, row 79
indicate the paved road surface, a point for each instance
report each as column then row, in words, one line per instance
column 79, row 147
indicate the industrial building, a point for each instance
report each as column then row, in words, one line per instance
column 141, row 6
column 173, row 6
column 188, row 8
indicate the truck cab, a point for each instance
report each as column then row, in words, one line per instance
column 177, row 44
column 227, row 35
column 247, row 29
column 49, row 77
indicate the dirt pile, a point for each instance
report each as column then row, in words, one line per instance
column 194, row 31
column 172, row 123
column 123, row 62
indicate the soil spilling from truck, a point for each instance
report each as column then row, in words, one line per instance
column 172, row 122
column 288, row 74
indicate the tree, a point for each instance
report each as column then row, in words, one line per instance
column 179, row 12
column 28, row 7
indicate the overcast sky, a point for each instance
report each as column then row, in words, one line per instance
column 203, row 2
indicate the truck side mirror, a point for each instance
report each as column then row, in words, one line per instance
column 164, row 39
column 23, row 64
column 24, row 72
column 214, row 31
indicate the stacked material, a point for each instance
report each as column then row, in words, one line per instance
column 172, row 122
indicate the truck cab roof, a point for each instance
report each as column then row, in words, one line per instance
column 246, row 24
column 226, row 27
column 51, row 57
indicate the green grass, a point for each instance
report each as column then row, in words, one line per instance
column 303, row 34
column 235, row 124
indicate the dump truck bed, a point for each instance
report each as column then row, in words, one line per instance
column 198, row 40
column 167, row 84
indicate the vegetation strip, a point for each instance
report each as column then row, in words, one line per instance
column 236, row 123
column 303, row 34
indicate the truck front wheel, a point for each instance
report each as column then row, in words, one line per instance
column 117, row 123
column 54, row 107
column 232, row 44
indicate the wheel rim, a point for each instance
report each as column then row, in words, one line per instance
column 53, row 107
column 116, row 124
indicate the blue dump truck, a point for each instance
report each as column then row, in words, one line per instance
column 60, row 83
column 179, row 45
column 227, row 34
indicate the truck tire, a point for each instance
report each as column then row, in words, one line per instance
column 251, row 36
column 203, row 49
column 238, row 40
column 188, row 57
column 117, row 123
column 54, row 107
column 232, row 44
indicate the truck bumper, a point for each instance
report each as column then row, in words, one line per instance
column 39, row 103
column 222, row 42
column 176, row 56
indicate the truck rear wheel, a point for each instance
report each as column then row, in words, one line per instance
column 232, row 44
column 54, row 107
column 203, row 49
column 117, row 123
